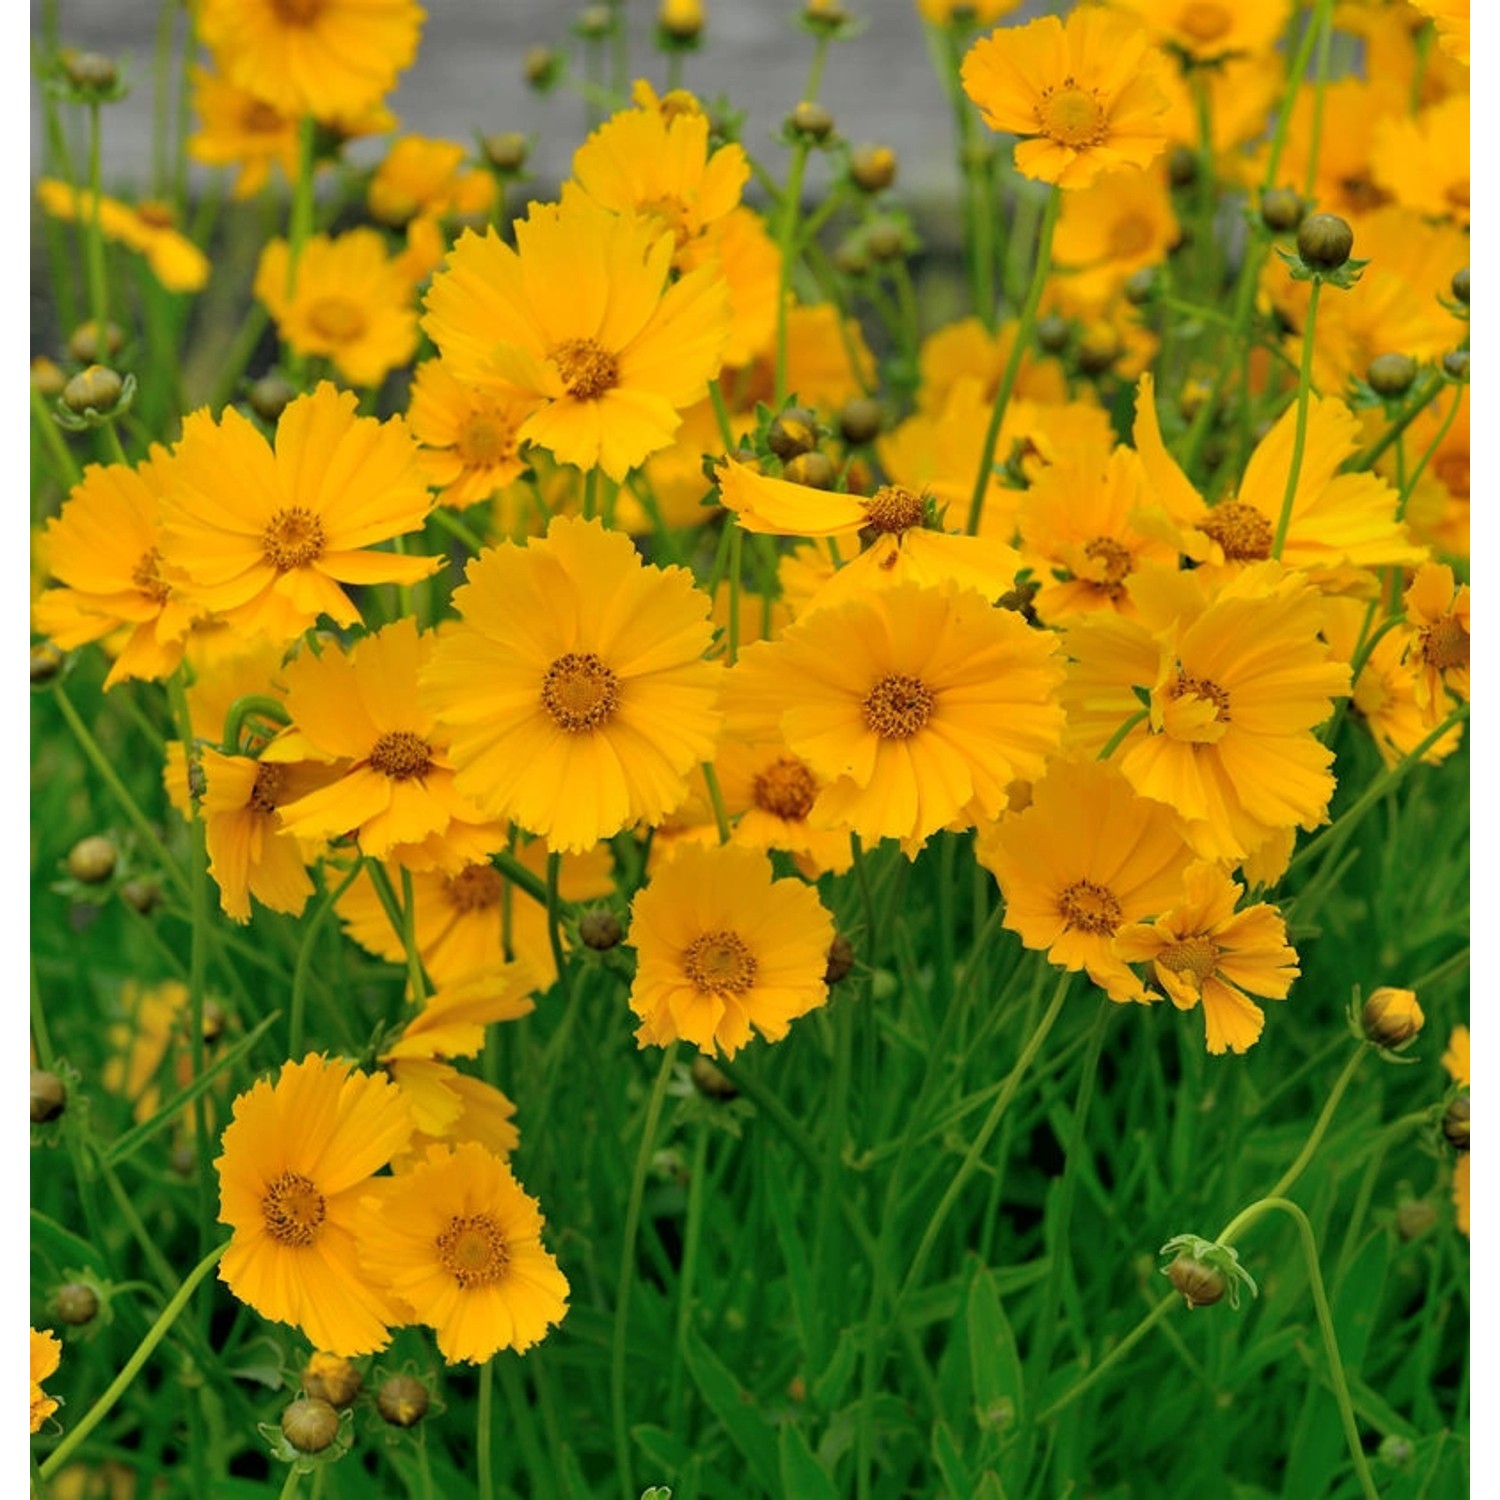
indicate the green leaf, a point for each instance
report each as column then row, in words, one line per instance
column 801, row 1474
column 829, row 1388
column 735, row 1407
column 994, row 1360
column 950, row 1463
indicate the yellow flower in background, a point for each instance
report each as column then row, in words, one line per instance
column 1451, row 17
column 46, row 1355
column 238, row 130
column 574, row 686
column 1439, row 506
column 470, row 435
column 1456, row 1061
column 1438, row 612
column 348, row 300
column 1423, row 161
column 828, row 361
column 581, row 316
column 1105, row 232
column 324, row 58
column 267, row 538
column 1209, row 30
column 1456, row 1058
column 967, row 350
column 722, row 947
column 298, row 1157
column 1202, row 949
column 459, row 1243
column 964, row 12
column 420, row 176
column 750, row 262
column 1083, row 94
column 147, row 229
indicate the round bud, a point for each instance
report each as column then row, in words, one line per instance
column 682, row 20
column 331, row 1378
column 1098, row 349
column 46, row 662
column 840, row 959
column 594, row 21
column 1182, row 167
column 1461, row 285
column 310, row 1424
column 49, row 1096
column 1414, row 1217
column 1324, row 241
column 92, row 860
column 1053, row 333
column 600, row 929
column 1395, row 1450
column 1391, row 374
column 95, row 389
column 873, row 168
column 1455, row 1122
column 47, row 378
column 886, row 241
column 1201, row 1285
column 792, row 432
column 1281, row 209
column 270, row 395
column 813, row 469
column 1391, row 1016
column 850, row 258
column 402, row 1400
column 542, row 67
column 213, row 1021
column 827, row 13
column 711, row 1081
column 86, row 346
column 1456, row 364
column 90, row 70
column 141, row 894
column 811, row 121
column 507, row 152
column 76, row 1303
column 1139, row 286
column 860, row 421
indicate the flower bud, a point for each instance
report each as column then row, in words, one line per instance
column 310, row 1424
column 402, row 1400
column 1324, row 241
column 543, row 67
column 97, row 389
column 46, row 662
column 1201, row 1284
column 1455, row 1123
column 886, row 241
column 681, row 20
column 1098, row 349
column 1414, row 1217
column 1391, row 1016
column 87, row 347
column 1139, row 286
column 711, row 1081
column 1281, row 209
column 594, row 21
column 92, row 860
column 91, row 71
column 1461, row 285
column 47, row 378
column 1395, row 1450
column 840, row 959
column 270, row 395
column 810, row 121
column 813, row 469
column 507, row 152
column 860, row 421
column 331, row 1378
column 49, row 1096
column 1053, row 333
column 76, row 1303
column 600, row 929
column 851, row 257
column 873, row 168
column 1456, row 364
column 1391, row 375
column 824, row 14
column 793, row 432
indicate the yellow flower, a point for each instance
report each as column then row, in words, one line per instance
column 1451, row 17
column 1208, row 30
column 967, row 349
column 469, row 435
column 324, row 58
column 265, row 538
column 1084, row 94
column 827, row 360
column 722, row 947
column 147, row 229
column 574, row 688
column 1424, row 162
column 1456, row 1058
column 581, row 317
column 46, row 1355
column 459, row 1243
column 965, row 12
column 1203, row 949
column 348, row 300
column 1392, row 1016
column 239, row 130
column 298, row 1157
column 420, row 176
column 1438, row 612
column 1105, row 232
column 1439, row 506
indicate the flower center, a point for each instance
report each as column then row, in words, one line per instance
column 898, row 706
column 1201, row 687
column 588, row 369
column 1457, row 193
column 719, row 963
column 580, row 692
column 292, row 539
column 785, row 789
column 259, row 118
column 293, row 1208
column 1205, row 22
column 269, row 777
column 1111, row 564
column 472, row 1250
column 892, row 509
column 1453, row 470
column 485, row 439
column 147, row 577
column 401, row 755
column 1129, row 236
column 1445, row 645
column 1194, row 956
column 337, row 319
column 1241, row 530
column 1090, row 908
column 474, row 888
column 297, row 12
column 1072, row 116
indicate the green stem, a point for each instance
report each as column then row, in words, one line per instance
column 401, row 915
column 716, row 800
column 293, row 1479
column 1367, row 457
column 1299, row 440
column 52, row 439
column 554, row 921
column 1426, row 458
column 1111, row 1359
column 1118, row 736
column 691, row 1235
column 786, row 241
column 299, row 227
column 303, row 967
column 98, row 281
column 1320, row 1129
column 736, row 564
column 1323, row 22
column 485, row 1431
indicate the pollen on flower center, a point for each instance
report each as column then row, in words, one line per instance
column 147, row 577
column 401, row 755
column 719, row 963
column 785, row 789
column 485, row 439
column 264, row 795
column 474, row 888
column 894, row 509
column 472, row 1250
column 1445, row 645
column 293, row 538
column 1205, row 21
column 337, row 319
column 1241, row 530
column 293, row 1209
column 587, row 368
column 1072, row 116
column 580, row 692
column 1200, row 687
column 1194, row 956
column 1113, row 564
column 297, row 12
column 1090, row 908
column 898, row 706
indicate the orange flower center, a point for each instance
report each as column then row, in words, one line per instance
column 892, row 509
column 485, row 439
column 292, row 539
column 1196, row 957
column 1241, row 530
column 259, row 118
column 898, row 706
column 474, row 888
column 1072, row 116
column 337, row 319
column 401, row 755
column 1205, row 22
column 147, row 577
column 1201, row 687
column 1090, row 908
column 472, row 1250
column 1362, row 194
column 293, row 1209
column 587, row 368
column 297, row 12
column 580, row 692
column 1453, row 470
column 1129, row 236
column 1445, row 645
column 1457, row 193
column 1111, row 564
column 269, row 777
column 719, row 963
column 785, row 789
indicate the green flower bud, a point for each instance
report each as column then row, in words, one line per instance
column 1391, row 375
column 1324, row 241
column 793, row 432
column 92, row 860
column 310, row 1424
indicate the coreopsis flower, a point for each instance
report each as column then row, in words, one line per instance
column 1105, row 232
column 469, row 435
column 828, row 361
column 1202, row 949
column 46, row 1355
column 138, row 1043
column 964, row 12
column 459, row 1243
column 749, row 260
column 1438, row 613
column 236, row 129
column 422, row 177
column 147, row 229
column 1438, row 509
column 1087, row 856
column 574, row 687
column 915, row 707
column 1423, row 161
column 581, row 317
column 1456, row 1058
column 1210, row 30
column 1083, row 93
column 1451, row 17
column 722, row 947
column 324, row 58
column 1456, row 1061
column 347, row 300
column 298, row 1157
column 266, row 538
column 968, row 350
column 104, row 550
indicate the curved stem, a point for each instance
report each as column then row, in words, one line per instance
column 1320, row 1129
column 1426, row 458
column 1111, row 1359
column 716, row 799
column 304, row 960
column 1299, row 440
column 98, row 282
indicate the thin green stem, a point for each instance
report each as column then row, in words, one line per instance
column 52, row 440
column 1299, row 439
column 786, row 243
column 485, row 1431
column 1320, row 1129
column 1117, row 738
column 293, row 1480
column 1111, row 1359
column 554, row 909
column 1323, row 21
column 98, row 280
column 716, row 800
column 1411, row 479
column 303, row 966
